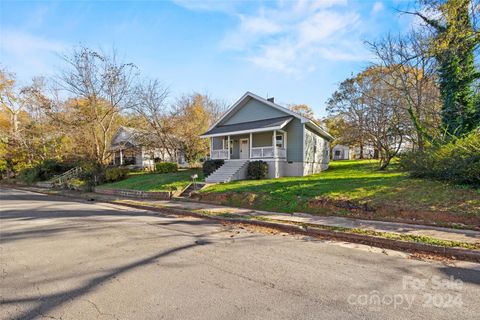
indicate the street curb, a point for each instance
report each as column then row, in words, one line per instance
column 412, row 247
column 457, row 253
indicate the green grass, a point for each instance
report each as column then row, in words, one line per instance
column 357, row 182
column 145, row 181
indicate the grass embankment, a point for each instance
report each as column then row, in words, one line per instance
column 356, row 188
column 145, row 181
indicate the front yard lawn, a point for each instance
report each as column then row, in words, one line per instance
column 356, row 188
column 146, row 181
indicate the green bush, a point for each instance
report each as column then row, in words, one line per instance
column 44, row 170
column 209, row 166
column 115, row 174
column 257, row 170
column 166, row 167
column 29, row 175
column 93, row 174
column 457, row 160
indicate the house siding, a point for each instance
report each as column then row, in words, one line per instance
column 253, row 110
column 294, row 131
column 316, row 153
column 262, row 139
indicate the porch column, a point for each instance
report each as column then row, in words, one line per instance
column 121, row 157
column 211, row 148
column 285, row 143
column 274, row 143
column 250, row 145
column 228, row 146
column 114, row 152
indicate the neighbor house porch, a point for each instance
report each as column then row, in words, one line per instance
column 252, row 145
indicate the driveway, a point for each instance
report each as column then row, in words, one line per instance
column 64, row 259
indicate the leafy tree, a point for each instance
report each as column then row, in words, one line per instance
column 303, row 110
column 193, row 114
column 373, row 108
column 455, row 39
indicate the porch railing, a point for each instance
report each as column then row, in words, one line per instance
column 268, row 152
column 257, row 152
column 220, row 154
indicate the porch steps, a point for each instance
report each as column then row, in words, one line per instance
column 227, row 172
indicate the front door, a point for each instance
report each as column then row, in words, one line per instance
column 244, row 149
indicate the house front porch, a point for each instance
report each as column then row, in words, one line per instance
column 252, row 145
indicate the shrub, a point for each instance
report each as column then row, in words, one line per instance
column 116, row 173
column 166, row 167
column 209, row 166
column 457, row 160
column 93, row 174
column 29, row 175
column 257, row 170
column 44, row 170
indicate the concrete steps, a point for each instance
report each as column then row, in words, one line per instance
column 227, row 172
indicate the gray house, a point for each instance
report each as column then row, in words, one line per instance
column 255, row 128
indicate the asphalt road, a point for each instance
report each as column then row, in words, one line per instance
column 63, row 259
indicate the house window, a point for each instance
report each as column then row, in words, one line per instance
column 337, row 153
column 279, row 141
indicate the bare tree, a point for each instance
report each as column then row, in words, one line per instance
column 412, row 73
column 101, row 87
column 150, row 103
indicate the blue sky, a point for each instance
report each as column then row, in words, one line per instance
column 296, row 51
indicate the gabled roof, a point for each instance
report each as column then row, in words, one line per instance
column 126, row 137
column 248, row 95
column 251, row 126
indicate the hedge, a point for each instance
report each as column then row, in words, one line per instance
column 257, row 170
column 116, row 174
column 457, row 160
column 166, row 167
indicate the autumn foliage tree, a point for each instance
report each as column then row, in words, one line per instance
column 193, row 114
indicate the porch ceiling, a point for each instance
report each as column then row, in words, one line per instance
column 252, row 126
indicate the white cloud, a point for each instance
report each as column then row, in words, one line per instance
column 291, row 36
column 26, row 53
column 377, row 7
column 208, row 5
column 324, row 25
column 259, row 25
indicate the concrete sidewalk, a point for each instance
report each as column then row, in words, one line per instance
column 467, row 236
column 441, row 233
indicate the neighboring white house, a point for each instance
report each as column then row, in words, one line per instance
column 255, row 128
column 343, row 152
column 340, row 152
column 128, row 150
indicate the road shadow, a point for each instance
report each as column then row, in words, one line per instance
column 49, row 302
